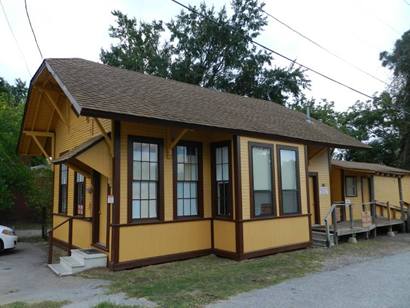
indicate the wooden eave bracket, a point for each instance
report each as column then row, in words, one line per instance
column 107, row 138
column 35, row 134
column 172, row 143
column 55, row 105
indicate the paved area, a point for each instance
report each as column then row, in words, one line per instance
column 24, row 277
column 383, row 282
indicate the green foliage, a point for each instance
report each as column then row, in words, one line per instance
column 199, row 51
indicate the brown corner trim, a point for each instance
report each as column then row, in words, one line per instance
column 226, row 254
column 160, row 259
column 116, row 165
column 238, row 195
column 270, row 251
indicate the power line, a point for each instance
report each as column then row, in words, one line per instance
column 324, row 48
column 280, row 55
column 32, row 30
column 14, row 37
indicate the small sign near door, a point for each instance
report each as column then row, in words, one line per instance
column 110, row 199
column 323, row 190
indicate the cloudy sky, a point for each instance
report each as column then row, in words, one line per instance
column 355, row 30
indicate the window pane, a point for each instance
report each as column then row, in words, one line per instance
column 180, row 209
column 261, row 159
column 144, row 209
column 145, row 171
column 290, row 201
column 152, row 208
column 153, row 155
column 194, row 172
column 193, row 190
column 218, row 155
column 180, row 190
column 153, row 171
column 137, row 151
column 187, row 169
column 180, row 154
column 80, row 178
column 288, row 169
column 144, row 190
column 219, row 172
column 145, row 152
column 350, row 183
column 263, row 203
column 187, row 207
column 153, row 190
column 225, row 155
column 187, row 193
column 136, row 170
column 225, row 171
column 136, row 193
column 136, row 208
column 180, row 170
column 194, row 207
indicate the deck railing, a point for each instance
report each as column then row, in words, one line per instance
column 51, row 238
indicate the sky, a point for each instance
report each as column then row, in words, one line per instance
column 355, row 30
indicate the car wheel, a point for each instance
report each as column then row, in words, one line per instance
column 1, row 245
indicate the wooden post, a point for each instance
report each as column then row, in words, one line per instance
column 334, row 219
column 70, row 235
column 403, row 226
column 351, row 216
column 408, row 218
column 50, row 247
column 388, row 211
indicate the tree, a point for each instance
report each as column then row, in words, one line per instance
column 399, row 62
column 207, row 48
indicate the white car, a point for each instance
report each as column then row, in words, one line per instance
column 8, row 238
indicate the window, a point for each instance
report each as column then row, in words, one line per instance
column 221, row 181
column 79, row 194
column 62, row 207
column 289, row 180
column 187, row 169
column 261, row 180
column 350, row 186
column 145, row 184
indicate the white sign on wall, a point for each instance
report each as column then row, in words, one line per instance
column 110, row 199
column 323, row 190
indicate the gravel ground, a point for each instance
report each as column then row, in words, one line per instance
column 25, row 277
column 377, row 282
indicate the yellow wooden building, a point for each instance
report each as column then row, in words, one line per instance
column 149, row 170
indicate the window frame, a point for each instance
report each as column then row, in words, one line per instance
column 60, row 195
column 200, row 180
column 355, row 185
column 214, row 182
column 280, row 147
column 271, row 146
column 160, row 188
column 75, row 205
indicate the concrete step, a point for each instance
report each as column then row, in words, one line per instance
column 90, row 258
column 72, row 263
column 60, row 270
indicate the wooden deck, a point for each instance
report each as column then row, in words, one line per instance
column 344, row 228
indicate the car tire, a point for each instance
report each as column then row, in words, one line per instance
column 1, row 246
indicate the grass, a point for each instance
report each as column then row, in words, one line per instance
column 111, row 305
column 204, row 280
column 44, row 304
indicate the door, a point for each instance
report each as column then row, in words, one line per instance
column 102, row 228
column 314, row 199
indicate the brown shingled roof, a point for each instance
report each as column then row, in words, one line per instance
column 352, row 165
column 100, row 90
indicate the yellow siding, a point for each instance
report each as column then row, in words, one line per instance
column 265, row 234
column 244, row 141
column 145, row 241
column 224, row 235
column 82, row 231
column 60, row 233
column 387, row 189
column 320, row 164
column 98, row 158
column 405, row 184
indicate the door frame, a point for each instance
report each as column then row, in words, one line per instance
column 316, row 199
column 96, row 180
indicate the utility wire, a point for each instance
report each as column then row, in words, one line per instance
column 32, row 30
column 324, row 48
column 279, row 54
column 15, row 38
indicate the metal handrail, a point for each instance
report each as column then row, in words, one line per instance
column 50, row 238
